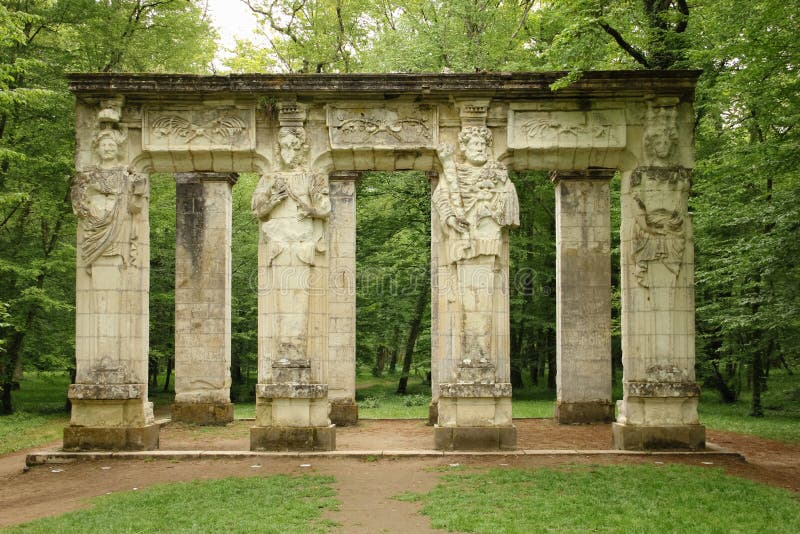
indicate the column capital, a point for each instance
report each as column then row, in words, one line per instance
column 592, row 173
column 203, row 176
column 345, row 175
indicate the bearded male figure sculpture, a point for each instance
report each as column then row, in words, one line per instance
column 476, row 203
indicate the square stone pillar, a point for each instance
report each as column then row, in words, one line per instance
column 203, row 298
column 583, row 297
column 342, row 299
column 660, row 394
column 110, row 409
column 293, row 206
column 433, row 408
column 470, row 308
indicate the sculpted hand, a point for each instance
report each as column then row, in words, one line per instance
column 458, row 224
column 445, row 151
column 279, row 191
column 304, row 211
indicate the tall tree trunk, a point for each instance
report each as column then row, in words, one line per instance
column 413, row 334
column 13, row 356
column 380, row 360
column 756, row 410
column 516, row 377
column 170, row 361
column 551, row 360
column 236, row 368
column 395, row 351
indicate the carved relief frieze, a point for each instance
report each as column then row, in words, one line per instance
column 476, row 202
column 659, row 190
column 176, row 129
column 108, row 197
column 550, row 129
column 383, row 126
column 292, row 204
column 106, row 201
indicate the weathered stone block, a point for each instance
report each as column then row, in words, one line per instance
column 111, row 413
column 277, row 438
column 84, row 438
column 574, row 413
column 433, row 413
column 630, row 437
column 475, row 390
column 203, row 413
column 474, row 438
column 291, row 391
column 344, row 412
column 105, row 391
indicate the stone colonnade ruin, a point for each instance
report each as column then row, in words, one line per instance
column 309, row 137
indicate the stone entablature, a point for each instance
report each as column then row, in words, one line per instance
column 308, row 136
column 184, row 123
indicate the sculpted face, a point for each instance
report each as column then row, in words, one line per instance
column 107, row 149
column 476, row 150
column 291, row 149
column 661, row 143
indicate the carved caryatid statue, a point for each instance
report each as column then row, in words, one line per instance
column 110, row 202
column 476, row 201
column 292, row 206
column 660, row 191
column 106, row 198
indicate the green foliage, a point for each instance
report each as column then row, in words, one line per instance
column 671, row 498
column 40, row 416
column 39, row 42
column 532, row 260
column 392, row 268
column 377, row 399
column 274, row 504
column 781, row 404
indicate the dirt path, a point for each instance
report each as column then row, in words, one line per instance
column 365, row 486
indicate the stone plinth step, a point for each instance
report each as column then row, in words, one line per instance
column 60, row 457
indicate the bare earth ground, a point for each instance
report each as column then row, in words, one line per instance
column 365, row 485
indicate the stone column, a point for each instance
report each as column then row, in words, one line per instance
column 476, row 204
column 433, row 408
column 203, row 298
column 293, row 206
column 110, row 409
column 342, row 299
column 583, row 297
column 659, row 405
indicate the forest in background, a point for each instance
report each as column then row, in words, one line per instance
column 744, row 198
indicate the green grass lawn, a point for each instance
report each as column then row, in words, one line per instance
column 670, row 498
column 40, row 416
column 274, row 504
column 781, row 404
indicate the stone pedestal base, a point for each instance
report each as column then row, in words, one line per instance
column 344, row 412
column 433, row 413
column 637, row 438
column 475, row 438
column 285, row 438
column 88, row 438
column 203, row 413
column 576, row 413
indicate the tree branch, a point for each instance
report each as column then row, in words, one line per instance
column 683, row 9
column 627, row 47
